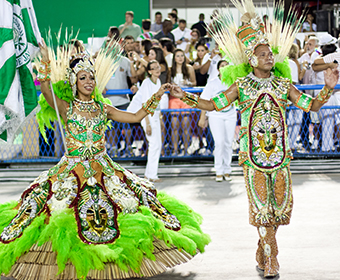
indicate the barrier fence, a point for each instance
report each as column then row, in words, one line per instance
column 310, row 135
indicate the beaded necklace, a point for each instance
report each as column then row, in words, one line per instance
column 85, row 106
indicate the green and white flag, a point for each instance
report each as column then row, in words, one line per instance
column 19, row 38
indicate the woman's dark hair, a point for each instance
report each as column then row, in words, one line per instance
column 160, row 56
column 147, row 44
column 220, row 62
column 167, row 43
column 185, row 70
column 327, row 49
column 114, row 31
column 76, row 61
column 148, row 67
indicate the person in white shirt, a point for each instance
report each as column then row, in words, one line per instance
column 294, row 115
column 210, row 66
column 307, row 77
column 222, row 125
column 151, row 124
column 182, row 35
column 328, row 117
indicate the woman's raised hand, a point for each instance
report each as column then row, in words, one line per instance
column 163, row 89
column 44, row 50
column 176, row 91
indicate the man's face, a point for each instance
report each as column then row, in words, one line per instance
column 182, row 26
column 167, row 26
column 265, row 58
column 137, row 46
column 158, row 19
column 310, row 46
column 128, row 18
column 129, row 45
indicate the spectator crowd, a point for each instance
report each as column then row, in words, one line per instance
column 167, row 50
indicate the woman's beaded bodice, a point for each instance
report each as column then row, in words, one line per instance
column 85, row 132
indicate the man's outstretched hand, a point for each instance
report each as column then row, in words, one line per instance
column 176, row 91
column 331, row 77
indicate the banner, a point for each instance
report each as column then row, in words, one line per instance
column 19, row 38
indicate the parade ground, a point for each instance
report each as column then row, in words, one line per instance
column 309, row 248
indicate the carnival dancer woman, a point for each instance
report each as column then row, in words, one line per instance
column 262, row 89
column 151, row 124
column 87, row 216
column 222, row 125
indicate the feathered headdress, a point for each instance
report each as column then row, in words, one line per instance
column 240, row 43
column 64, row 79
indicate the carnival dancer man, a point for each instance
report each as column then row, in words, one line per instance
column 88, row 216
column 262, row 90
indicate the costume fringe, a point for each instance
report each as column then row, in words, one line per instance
column 144, row 248
column 40, row 264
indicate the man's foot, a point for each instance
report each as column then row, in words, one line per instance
column 260, row 270
column 219, row 178
column 156, row 180
column 274, row 277
column 227, row 177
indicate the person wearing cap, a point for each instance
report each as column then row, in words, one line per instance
column 328, row 118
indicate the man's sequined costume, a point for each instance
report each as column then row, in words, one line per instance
column 265, row 156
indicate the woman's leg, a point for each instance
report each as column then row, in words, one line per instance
column 186, row 131
column 174, row 132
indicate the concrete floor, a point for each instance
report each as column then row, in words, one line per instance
column 309, row 248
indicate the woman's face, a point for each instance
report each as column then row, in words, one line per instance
column 85, row 83
column 155, row 70
column 201, row 51
column 152, row 55
column 194, row 35
column 179, row 57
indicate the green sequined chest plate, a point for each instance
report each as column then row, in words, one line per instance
column 263, row 133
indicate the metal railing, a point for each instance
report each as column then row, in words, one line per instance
column 310, row 135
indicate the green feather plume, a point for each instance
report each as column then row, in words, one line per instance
column 137, row 232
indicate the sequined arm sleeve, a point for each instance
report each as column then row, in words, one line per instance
column 304, row 102
column 221, row 101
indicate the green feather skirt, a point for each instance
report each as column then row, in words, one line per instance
column 108, row 224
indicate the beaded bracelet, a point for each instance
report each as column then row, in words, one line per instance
column 44, row 71
column 190, row 99
column 324, row 95
column 151, row 105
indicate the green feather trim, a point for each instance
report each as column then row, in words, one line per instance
column 230, row 73
column 47, row 115
column 282, row 69
column 137, row 232
column 10, row 252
